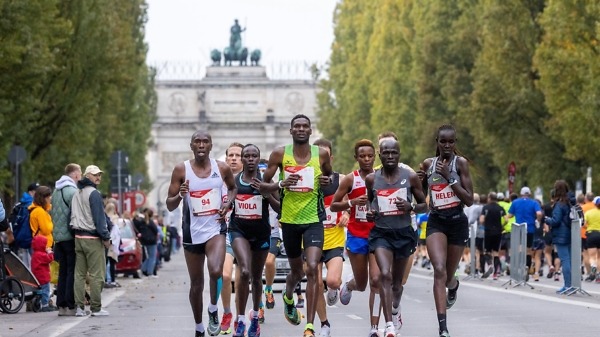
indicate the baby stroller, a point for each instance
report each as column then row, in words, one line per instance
column 18, row 284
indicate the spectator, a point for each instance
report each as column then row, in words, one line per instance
column 2, row 211
column 40, row 267
column 112, row 256
column 561, row 231
column 91, row 238
column 64, row 243
column 148, row 234
column 26, row 200
column 39, row 218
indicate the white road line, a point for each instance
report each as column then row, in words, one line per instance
column 570, row 301
column 66, row 326
column 354, row 317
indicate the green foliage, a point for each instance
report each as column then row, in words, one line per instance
column 518, row 79
column 74, row 86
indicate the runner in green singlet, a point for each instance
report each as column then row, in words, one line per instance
column 303, row 168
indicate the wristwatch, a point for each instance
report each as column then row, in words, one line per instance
column 452, row 181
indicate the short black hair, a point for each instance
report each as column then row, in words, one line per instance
column 324, row 142
column 298, row 116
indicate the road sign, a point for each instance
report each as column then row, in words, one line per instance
column 17, row 155
column 132, row 200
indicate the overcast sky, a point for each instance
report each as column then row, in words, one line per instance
column 298, row 30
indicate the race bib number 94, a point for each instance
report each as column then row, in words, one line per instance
column 205, row 202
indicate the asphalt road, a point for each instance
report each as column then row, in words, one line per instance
column 160, row 307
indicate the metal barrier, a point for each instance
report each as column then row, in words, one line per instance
column 473, row 269
column 575, row 259
column 518, row 256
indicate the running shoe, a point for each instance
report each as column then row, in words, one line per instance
column 269, row 299
column 100, row 312
column 214, row 328
column 308, row 332
column 226, row 323
column 325, row 331
column 444, row 334
column 488, row 272
column 562, row 290
column 261, row 315
column 81, row 312
column 345, row 294
column 374, row 333
column 397, row 318
column 332, row 297
column 389, row 331
column 300, row 303
column 451, row 296
column 254, row 329
column 199, row 334
column 240, row 329
column 291, row 313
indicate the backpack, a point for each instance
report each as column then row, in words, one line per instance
column 19, row 218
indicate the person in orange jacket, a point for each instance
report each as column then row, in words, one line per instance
column 39, row 218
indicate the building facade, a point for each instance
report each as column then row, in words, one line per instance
column 234, row 104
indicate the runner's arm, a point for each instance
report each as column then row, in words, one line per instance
column 177, row 179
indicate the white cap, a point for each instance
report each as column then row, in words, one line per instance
column 500, row 196
column 525, row 191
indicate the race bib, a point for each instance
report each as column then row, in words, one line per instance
column 331, row 217
column 306, row 183
column 248, row 206
column 360, row 213
column 386, row 199
column 443, row 196
column 205, row 202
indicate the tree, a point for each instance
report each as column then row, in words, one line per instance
column 569, row 68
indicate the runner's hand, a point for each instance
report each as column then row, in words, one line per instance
column 324, row 180
column 442, row 168
column 184, row 188
column 403, row 205
column 344, row 219
column 372, row 215
column 360, row 201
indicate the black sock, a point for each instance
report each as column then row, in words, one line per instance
column 528, row 263
column 442, row 322
column 497, row 265
column 324, row 323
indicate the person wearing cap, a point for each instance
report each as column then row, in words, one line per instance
column 526, row 210
column 88, row 222
column 592, row 221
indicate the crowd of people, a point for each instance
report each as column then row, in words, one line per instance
column 237, row 215
column 78, row 229
column 228, row 204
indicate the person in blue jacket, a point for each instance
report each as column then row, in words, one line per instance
column 560, row 222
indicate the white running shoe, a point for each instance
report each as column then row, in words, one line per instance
column 397, row 319
column 102, row 312
column 325, row 331
column 332, row 297
column 389, row 331
column 345, row 294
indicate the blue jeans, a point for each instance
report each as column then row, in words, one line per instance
column 45, row 292
column 564, row 254
column 150, row 262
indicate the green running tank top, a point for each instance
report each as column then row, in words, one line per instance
column 302, row 203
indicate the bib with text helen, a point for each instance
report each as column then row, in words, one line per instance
column 205, row 202
column 331, row 217
column 386, row 200
column 443, row 196
column 306, row 182
column 248, row 206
